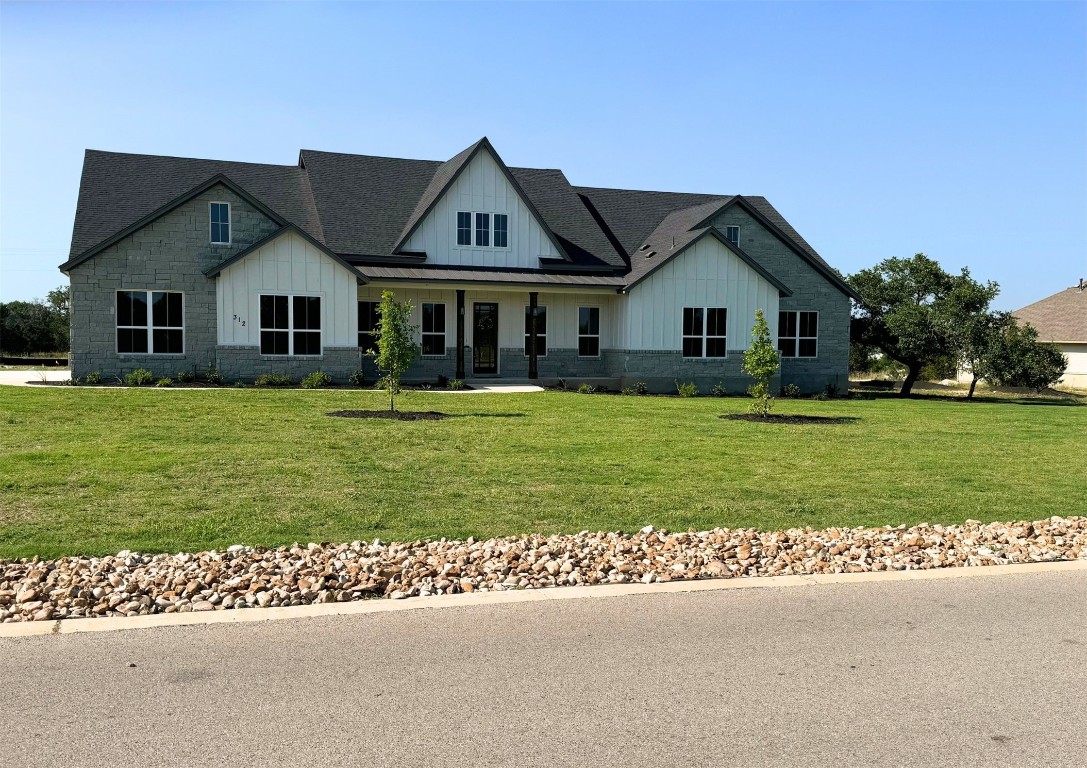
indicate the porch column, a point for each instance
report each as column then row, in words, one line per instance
column 460, row 334
column 532, row 309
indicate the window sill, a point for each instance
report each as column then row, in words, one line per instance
column 292, row 357
column 705, row 359
column 157, row 355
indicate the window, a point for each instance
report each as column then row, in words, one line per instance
column 501, row 230
column 368, row 325
column 541, row 331
column 220, row 223
column 464, row 228
column 290, row 325
column 705, row 331
column 732, row 234
column 433, row 329
column 164, row 335
column 798, row 334
column 483, row 229
column 588, row 331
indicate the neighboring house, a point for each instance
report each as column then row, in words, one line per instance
column 1062, row 319
column 513, row 273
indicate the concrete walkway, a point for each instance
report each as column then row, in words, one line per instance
column 32, row 378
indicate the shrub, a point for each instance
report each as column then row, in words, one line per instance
column 273, row 380
column 629, row 391
column 316, row 380
column 139, row 378
column 831, row 390
column 586, row 389
column 239, row 384
column 790, row 390
column 212, row 376
column 688, row 389
column 640, row 388
column 358, row 378
column 561, row 383
column 76, row 382
column 820, row 396
column 456, row 384
column 719, row 390
column 185, row 377
column 443, row 381
column 94, row 377
column 165, row 381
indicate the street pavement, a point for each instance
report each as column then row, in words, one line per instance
column 979, row 671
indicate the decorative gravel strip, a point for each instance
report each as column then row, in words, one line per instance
column 129, row 583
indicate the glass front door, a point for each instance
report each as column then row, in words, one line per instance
column 485, row 338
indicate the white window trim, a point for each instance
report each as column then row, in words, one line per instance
column 735, row 242
column 538, row 335
column 798, row 337
column 705, row 334
column 443, row 334
column 229, row 223
column 597, row 335
column 490, row 229
column 150, row 327
column 290, row 329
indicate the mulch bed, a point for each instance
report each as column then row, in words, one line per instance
column 782, row 418
column 398, row 415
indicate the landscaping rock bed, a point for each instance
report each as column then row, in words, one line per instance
column 129, row 584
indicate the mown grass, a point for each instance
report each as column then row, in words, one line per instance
column 98, row 470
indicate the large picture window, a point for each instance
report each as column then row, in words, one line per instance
column 588, row 331
column 705, row 331
column 433, row 329
column 220, row 223
column 368, row 325
column 290, row 325
column 798, row 334
column 541, row 331
column 160, row 331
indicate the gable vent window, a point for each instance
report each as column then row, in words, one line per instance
column 164, row 335
column 433, row 329
column 732, row 234
column 798, row 334
column 220, row 223
column 483, row 230
column 704, row 331
column 290, row 325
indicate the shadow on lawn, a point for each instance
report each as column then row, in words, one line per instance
column 1057, row 399
column 419, row 415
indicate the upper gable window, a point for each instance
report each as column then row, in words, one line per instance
column 220, row 223
column 483, row 230
column 732, row 234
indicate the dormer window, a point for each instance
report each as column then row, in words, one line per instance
column 220, row 223
column 732, row 234
column 482, row 230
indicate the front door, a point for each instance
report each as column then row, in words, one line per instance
column 485, row 339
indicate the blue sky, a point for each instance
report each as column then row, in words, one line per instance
column 878, row 129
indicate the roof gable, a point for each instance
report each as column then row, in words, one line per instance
column 218, row 268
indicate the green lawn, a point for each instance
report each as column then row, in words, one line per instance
column 95, row 471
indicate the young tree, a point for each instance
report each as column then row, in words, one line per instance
column 396, row 347
column 761, row 363
column 910, row 310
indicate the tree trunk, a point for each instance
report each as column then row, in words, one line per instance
column 911, row 376
column 973, row 383
column 392, row 403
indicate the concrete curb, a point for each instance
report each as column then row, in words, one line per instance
column 463, row 600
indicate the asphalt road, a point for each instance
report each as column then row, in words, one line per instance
column 989, row 670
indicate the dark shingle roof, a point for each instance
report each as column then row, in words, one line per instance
column 1060, row 317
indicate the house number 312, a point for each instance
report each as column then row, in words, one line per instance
column 239, row 320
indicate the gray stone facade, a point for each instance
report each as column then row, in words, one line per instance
column 169, row 254
column 811, row 292
column 237, row 363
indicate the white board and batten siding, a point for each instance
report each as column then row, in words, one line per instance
column 705, row 275
column 287, row 265
column 482, row 187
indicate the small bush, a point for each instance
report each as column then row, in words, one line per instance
column 821, row 396
column 165, row 381
column 316, row 380
column 562, row 384
column 212, row 376
column 831, row 390
column 358, row 378
column 790, row 390
column 456, row 384
column 273, row 380
column 688, row 389
column 586, row 389
column 719, row 390
column 76, row 382
column 628, row 391
column 443, row 381
column 239, row 384
column 94, row 377
column 139, row 378
column 184, row 377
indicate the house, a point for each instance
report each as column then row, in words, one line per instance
column 1062, row 319
column 182, row 264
